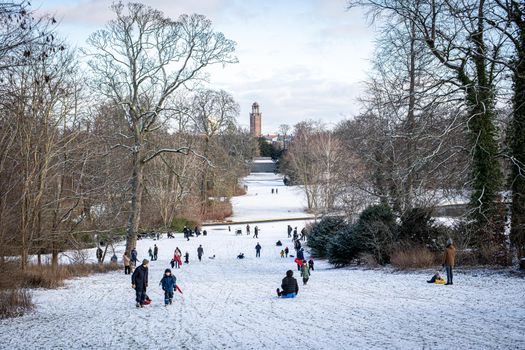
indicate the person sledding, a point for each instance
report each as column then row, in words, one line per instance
column 289, row 286
column 437, row 279
column 139, row 282
column 168, row 283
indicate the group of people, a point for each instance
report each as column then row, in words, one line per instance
column 153, row 254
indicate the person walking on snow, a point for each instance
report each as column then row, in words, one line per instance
column 311, row 264
column 139, row 282
column 187, row 258
column 286, row 251
column 303, row 234
column 247, row 230
column 150, row 253
column 168, row 283
column 258, row 250
column 289, row 231
column 282, row 253
column 305, row 272
column 127, row 262
column 200, row 252
column 449, row 260
column 256, row 232
column 134, row 259
column 289, row 286
column 295, row 235
column 155, row 252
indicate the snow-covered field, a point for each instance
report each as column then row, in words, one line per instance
column 260, row 204
column 231, row 304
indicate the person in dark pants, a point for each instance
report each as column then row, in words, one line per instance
column 289, row 286
column 290, row 231
column 247, row 230
column 127, row 262
column 134, row 259
column 139, row 282
column 449, row 260
column 168, row 283
column 258, row 250
column 200, row 252
column 311, row 264
column 256, row 232
column 286, row 251
column 187, row 258
column 155, row 252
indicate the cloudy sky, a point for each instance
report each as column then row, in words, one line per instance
column 300, row 59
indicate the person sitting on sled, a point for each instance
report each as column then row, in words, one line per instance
column 289, row 286
column 437, row 279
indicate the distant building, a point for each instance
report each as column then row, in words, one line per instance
column 255, row 120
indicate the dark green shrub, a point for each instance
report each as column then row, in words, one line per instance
column 322, row 232
column 376, row 232
column 178, row 223
column 343, row 247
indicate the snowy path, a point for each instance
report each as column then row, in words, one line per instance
column 231, row 304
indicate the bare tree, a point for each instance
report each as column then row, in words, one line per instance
column 140, row 60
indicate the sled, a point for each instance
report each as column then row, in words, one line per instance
column 440, row 281
column 178, row 289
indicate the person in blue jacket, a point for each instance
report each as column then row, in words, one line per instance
column 139, row 282
column 168, row 283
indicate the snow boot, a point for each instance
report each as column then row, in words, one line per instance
column 278, row 292
column 137, row 305
column 171, row 301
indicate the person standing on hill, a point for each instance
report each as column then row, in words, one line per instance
column 200, row 252
column 155, row 252
column 187, row 258
column 139, row 282
column 289, row 286
column 247, row 230
column 256, row 232
column 305, row 272
column 134, row 259
column 286, row 251
column 449, row 260
column 289, row 231
column 258, row 250
column 168, row 283
column 127, row 262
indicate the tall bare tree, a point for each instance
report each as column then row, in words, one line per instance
column 141, row 59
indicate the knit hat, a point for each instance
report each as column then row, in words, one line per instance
column 167, row 270
column 450, row 241
column 289, row 273
column 145, row 262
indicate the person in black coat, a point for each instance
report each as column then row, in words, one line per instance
column 258, row 250
column 200, row 252
column 289, row 286
column 139, row 282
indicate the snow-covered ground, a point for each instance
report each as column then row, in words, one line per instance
column 231, row 304
column 260, row 204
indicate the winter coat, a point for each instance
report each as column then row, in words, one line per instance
column 450, row 256
column 200, row 251
column 289, row 285
column 258, row 247
column 168, row 283
column 133, row 255
column 300, row 254
column 156, row 250
column 305, row 271
column 140, row 277
column 126, row 260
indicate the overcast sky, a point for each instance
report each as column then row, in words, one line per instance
column 299, row 59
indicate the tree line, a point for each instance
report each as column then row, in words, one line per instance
column 442, row 117
column 121, row 136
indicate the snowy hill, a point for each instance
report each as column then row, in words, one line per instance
column 231, row 304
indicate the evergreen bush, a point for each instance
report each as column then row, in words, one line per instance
column 322, row 232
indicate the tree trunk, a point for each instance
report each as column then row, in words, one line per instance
column 136, row 200
column 518, row 140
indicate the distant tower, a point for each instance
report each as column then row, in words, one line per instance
column 255, row 120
